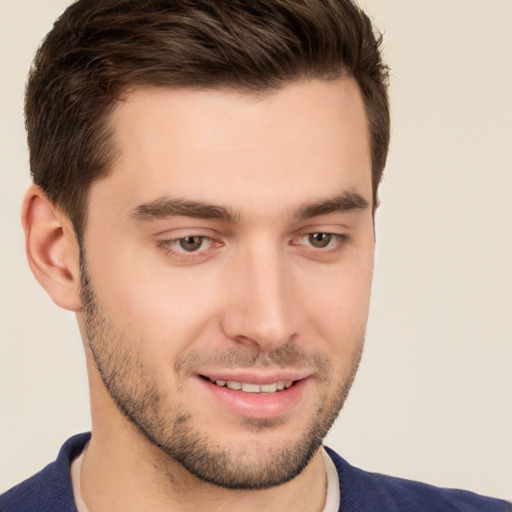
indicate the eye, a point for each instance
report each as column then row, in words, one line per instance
column 191, row 243
column 320, row 240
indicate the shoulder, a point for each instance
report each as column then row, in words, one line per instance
column 363, row 491
column 50, row 489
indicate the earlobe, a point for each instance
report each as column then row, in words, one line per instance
column 52, row 248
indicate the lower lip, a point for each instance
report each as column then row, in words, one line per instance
column 258, row 405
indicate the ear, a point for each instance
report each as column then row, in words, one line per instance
column 52, row 249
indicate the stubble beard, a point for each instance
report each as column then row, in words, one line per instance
column 170, row 427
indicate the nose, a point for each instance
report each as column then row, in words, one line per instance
column 261, row 312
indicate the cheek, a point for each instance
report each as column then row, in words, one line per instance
column 161, row 309
column 338, row 305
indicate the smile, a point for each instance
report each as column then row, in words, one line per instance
column 252, row 395
column 247, row 387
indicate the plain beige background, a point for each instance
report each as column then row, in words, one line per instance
column 433, row 400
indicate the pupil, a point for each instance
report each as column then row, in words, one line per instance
column 319, row 239
column 191, row 243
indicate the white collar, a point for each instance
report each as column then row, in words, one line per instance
column 332, row 495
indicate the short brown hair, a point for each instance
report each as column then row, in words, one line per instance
column 98, row 49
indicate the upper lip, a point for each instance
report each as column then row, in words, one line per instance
column 258, row 378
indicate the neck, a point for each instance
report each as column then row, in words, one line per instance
column 115, row 478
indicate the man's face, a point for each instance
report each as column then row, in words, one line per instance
column 232, row 247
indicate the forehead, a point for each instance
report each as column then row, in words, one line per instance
column 226, row 147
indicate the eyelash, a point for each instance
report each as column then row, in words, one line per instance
column 170, row 246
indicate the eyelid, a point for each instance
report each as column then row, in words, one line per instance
column 182, row 231
column 329, row 228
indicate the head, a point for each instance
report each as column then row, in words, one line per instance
column 218, row 164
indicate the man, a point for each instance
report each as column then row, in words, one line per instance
column 205, row 183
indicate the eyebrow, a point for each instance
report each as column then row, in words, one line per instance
column 173, row 207
column 344, row 202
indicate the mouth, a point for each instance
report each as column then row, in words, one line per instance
column 256, row 396
column 248, row 387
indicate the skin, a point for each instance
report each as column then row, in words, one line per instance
column 258, row 298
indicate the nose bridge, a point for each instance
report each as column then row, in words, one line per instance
column 262, row 311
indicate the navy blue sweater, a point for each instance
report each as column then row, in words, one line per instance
column 50, row 490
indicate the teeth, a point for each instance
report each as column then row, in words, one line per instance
column 250, row 388
column 254, row 388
